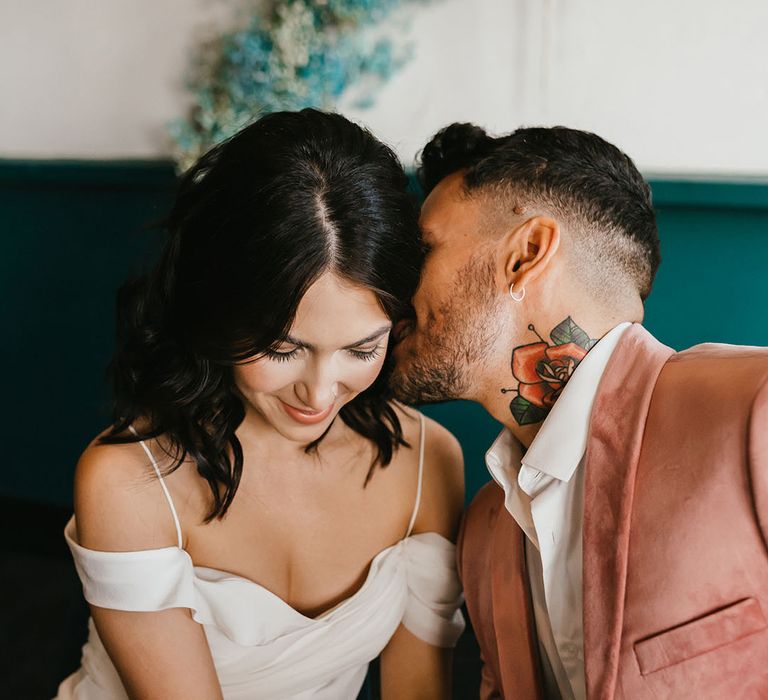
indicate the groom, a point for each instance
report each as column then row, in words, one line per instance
column 621, row 549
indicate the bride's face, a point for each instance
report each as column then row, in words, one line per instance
column 334, row 351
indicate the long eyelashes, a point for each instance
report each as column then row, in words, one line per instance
column 365, row 355
column 281, row 356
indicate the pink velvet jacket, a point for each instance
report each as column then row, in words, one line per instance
column 675, row 536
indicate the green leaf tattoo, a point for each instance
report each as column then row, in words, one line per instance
column 568, row 332
column 525, row 412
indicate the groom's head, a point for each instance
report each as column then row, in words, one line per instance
column 559, row 215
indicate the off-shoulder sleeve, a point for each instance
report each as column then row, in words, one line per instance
column 142, row 581
column 434, row 591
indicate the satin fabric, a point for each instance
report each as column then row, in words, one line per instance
column 262, row 647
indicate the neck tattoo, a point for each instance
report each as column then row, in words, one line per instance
column 543, row 369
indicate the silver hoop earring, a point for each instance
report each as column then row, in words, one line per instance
column 516, row 297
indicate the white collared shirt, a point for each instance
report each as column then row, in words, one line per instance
column 544, row 492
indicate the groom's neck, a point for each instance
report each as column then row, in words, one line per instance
column 542, row 362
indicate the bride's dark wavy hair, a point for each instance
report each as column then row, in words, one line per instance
column 255, row 222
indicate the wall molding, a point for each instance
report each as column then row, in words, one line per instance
column 708, row 191
column 151, row 174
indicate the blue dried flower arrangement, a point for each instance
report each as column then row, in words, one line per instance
column 301, row 53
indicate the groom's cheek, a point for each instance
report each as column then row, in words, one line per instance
column 426, row 301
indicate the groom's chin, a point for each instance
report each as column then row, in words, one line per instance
column 416, row 385
column 402, row 387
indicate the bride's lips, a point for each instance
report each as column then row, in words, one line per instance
column 306, row 417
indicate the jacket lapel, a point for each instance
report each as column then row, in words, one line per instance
column 512, row 612
column 613, row 450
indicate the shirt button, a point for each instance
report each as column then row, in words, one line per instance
column 570, row 649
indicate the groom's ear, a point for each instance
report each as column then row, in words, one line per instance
column 528, row 249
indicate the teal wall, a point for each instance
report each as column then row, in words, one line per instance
column 713, row 281
column 72, row 231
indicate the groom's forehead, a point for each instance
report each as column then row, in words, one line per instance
column 448, row 212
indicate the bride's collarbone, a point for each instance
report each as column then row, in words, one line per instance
column 310, row 565
column 310, row 545
column 304, row 524
column 311, row 512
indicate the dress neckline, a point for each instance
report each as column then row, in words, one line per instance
column 373, row 568
column 320, row 617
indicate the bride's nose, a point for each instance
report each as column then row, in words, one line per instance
column 318, row 389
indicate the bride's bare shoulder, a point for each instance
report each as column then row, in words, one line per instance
column 443, row 479
column 119, row 503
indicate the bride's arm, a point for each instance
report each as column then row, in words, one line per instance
column 159, row 655
column 412, row 669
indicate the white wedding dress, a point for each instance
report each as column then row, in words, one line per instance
column 261, row 646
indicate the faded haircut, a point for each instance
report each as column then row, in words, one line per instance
column 588, row 185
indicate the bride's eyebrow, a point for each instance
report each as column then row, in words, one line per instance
column 373, row 336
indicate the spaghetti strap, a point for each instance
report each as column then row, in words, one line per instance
column 421, row 475
column 164, row 487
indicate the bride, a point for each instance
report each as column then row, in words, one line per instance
column 261, row 520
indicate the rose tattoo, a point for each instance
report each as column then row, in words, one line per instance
column 543, row 370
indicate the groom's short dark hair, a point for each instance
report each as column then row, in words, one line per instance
column 576, row 176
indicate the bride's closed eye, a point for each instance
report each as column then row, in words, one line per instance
column 286, row 355
column 367, row 355
column 282, row 356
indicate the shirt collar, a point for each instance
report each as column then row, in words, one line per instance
column 561, row 441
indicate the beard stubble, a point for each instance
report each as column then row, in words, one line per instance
column 447, row 357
